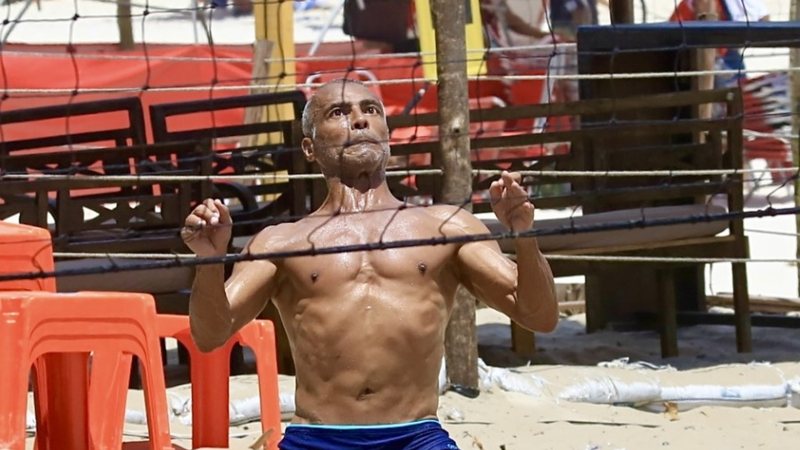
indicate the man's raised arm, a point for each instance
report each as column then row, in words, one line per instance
column 524, row 291
column 218, row 309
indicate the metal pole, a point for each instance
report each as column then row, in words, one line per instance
column 449, row 20
column 321, row 36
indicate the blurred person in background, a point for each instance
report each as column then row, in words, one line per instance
column 730, row 10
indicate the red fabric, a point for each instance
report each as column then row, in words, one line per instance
column 21, row 71
column 685, row 12
column 60, row 71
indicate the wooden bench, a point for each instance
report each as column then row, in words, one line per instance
column 266, row 144
column 88, row 213
column 102, row 123
column 110, row 122
column 643, row 133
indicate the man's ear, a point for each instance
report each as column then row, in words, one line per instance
column 308, row 149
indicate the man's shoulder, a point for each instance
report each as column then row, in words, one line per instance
column 455, row 216
column 279, row 236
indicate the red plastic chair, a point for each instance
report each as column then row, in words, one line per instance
column 209, row 374
column 35, row 323
column 62, row 426
column 61, row 416
column 24, row 248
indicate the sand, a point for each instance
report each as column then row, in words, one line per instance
column 611, row 391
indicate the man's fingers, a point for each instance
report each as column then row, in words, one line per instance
column 212, row 212
column 224, row 213
column 209, row 212
column 495, row 191
column 512, row 177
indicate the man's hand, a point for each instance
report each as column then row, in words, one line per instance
column 510, row 202
column 207, row 230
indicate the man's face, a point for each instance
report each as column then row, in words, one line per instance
column 350, row 133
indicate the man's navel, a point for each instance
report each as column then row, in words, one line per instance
column 365, row 393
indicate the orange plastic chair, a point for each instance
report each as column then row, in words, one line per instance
column 24, row 248
column 209, row 373
column 61, row 417
column 35, row 323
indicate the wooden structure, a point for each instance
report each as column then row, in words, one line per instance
column 614, row 209
column 258, row 202
column 129, row 131
column 664, row 49
column 90, row 214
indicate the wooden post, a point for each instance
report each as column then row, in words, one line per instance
column 621, row 11
column 704, row 60
column 794, row 105
column 275, row 23
column 124, row 22
column 449, row 19
column 261, row 51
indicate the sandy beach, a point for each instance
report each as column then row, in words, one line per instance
column 604, row 390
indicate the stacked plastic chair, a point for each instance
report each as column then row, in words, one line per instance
column 54, row 333
column 35, row 323
column 76, row 411
column 209, row 374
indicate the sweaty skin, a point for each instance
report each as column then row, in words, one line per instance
column 366, row 328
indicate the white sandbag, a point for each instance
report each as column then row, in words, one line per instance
column 135, row 416
column 443, row 384
column 612, row 391
column 245, row 410
column 748, row 393
column 286, row 401
column 794, row 392
column 626, row 363
column 178, row 404
column 509, row 381
column 685, row 398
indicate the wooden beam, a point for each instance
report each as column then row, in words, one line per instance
column 621, row 11
column 668, row 36
column 253, row 114
column 758, row 304
column 125, row 25
column 275, row 23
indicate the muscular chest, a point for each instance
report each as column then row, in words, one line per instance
column 414, row 264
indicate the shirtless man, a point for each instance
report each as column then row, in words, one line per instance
column 366, row 328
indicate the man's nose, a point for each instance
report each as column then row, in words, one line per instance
column 358, row 121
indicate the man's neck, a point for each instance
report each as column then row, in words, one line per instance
column 358, row 195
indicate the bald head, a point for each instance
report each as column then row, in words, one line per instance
column 315, row 103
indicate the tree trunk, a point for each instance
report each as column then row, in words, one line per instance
column 449, row 20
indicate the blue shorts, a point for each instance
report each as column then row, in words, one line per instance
column 419, row 435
